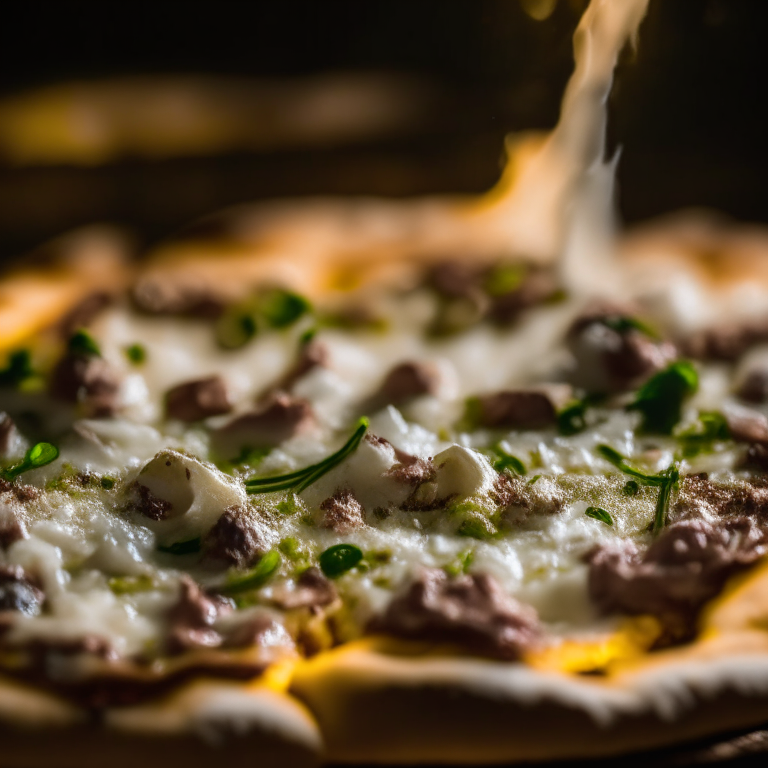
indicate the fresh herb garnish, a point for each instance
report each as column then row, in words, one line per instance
column 624, row 323
column 503, row 460
column 136, row 354
column 534, row 479
column 660, row 399
column 665, row 480
column 236, row 327
column 598, row 513
column 303, row 478
column 710, row 428
column 505, row 278
column 38, row 455
column 129, row 585
column 570, row 420
column 187, row 547
column 339, row 559
column 17, row 369
column 461, row 564
column 82, row 343
column 107, row 483
column 631, row 488
column 283, row 308
column 256, row 577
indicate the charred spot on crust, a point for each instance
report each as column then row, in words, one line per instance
column 342, row 512
column 471, row 610
column 197, row 400
column 235, row 538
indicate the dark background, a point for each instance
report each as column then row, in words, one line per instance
column 687, row 110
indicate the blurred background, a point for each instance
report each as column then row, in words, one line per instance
column 151, row 115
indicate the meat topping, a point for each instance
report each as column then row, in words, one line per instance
column 160, row 297
column 279, row 418
column 236, row 538
column 747, row 426
column 342, row 512
column 312, row 355
column 261, row 630
column 518, row 499
column 523, row 408
column 406, row 381
column 312, row 590
column 84, row 313
column 701, row 497
column 725, row 342
column 191, row 619
column 536, row 287
column 18, row 592
column 754, row 387
column 471, row 610
column 684, row 568
column 197, row 400
column 611, row 354
column 151, row 506
column 22, row 493
column 88, row 380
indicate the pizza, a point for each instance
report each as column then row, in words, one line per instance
column 375, row 481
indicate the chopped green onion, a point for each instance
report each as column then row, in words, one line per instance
column 303, row 478
column 283, row 308
column 462, row 564
column 82, row 343
column 660, row 399
column 598, row 513
column 711, row 428
column 623, row 324
column 570, row 420
column 506, row 460
column 505, row 278
column 38, row 455
column 631, row 488
column 534, row 479
column 129, row 585
column 187, row 547
column 18, row 368
column 255, row 578
column 136, row 354
column 339, row 559
column 107, row 483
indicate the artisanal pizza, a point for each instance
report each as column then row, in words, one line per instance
column 384, row 482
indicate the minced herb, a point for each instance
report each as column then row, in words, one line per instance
column 82, row 343
column 256, row 577
column 17, row 369
column 710, row 428
column 129, row 585
column 136, row 354
column 502, row 460
column 598, row 513
column 282, row 308
column 187, row 547
column 339, row 559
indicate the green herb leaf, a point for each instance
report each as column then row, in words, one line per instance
column 255, row 578
column 283, row 308
column 506, row 460
column 339, row 559
column 598, row 513
column 303, row 478
column 187, row 547
column 462, row 564
column 236, row 327
column 672, row 475
column 38, row 455
column 136, row 354
column 631, row 488
column 711, row 428
column 505, row 278
column 534, row 479
column 660, row 399
column 18, row 368
column 129, row 585
column 623, row 324
column 82, row 343
column 570, row 420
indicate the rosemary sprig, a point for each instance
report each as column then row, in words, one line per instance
column 303, row 478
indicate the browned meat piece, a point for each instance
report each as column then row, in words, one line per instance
column 536, row 287
column 19, row 592
column 754, row 387
column 747, row 426
column 12, row 527
column 162, row 298
column 22, row 493
column 455, row 279
column 7, row 433
column 517, row 499
column 279, row 418
column 404, row 382
column 84, row 313
column 700, row 497
column 727, row 342
column 197, row 400
column 342, row 512
column 312, row 355
column 191, row 619
column 151, row 506
column 236, row 538
column 312, row 591
column 471, row 610
column 756, row 457
column 522, row 408
column 684, row 568
column 88, row 380
column 611, row 355
column 259, row 630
